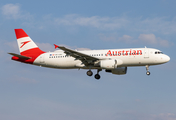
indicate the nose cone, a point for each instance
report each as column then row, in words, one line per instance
column 167, row 58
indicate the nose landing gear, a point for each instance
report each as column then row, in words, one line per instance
column 147, row 68
column 148, row 73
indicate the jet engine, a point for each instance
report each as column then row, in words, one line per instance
column 118, row 70
column 110, row 64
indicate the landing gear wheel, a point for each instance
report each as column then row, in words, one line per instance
column 89, row 73
column 147, row 68
column 148, row 73
column 97, row 76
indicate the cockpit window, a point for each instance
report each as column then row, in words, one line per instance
column 158, row 52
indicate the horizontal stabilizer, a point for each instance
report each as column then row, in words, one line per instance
column 20, row 56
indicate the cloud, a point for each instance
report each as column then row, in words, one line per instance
column 151, row 39
column 164, row 116
column 164, row 43
column 142, row 116
column 13, row 11
column 93, row 21
column 127, row 39
column 147, row 39
column 164, row 25
column 148, row 27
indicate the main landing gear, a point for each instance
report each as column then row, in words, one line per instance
column 97, row 76
column 147, row 68
column 89, row 73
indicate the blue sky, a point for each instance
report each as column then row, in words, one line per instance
column 31, row 92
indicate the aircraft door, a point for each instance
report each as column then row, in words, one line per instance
column 146, row 53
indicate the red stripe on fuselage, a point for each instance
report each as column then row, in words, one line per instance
column 33, row 53
column 20, row 33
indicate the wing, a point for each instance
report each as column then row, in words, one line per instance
column 86, row 59
column 20, row 56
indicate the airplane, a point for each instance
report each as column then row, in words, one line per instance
column 113, row 61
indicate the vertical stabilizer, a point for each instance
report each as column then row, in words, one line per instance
column 26, row 45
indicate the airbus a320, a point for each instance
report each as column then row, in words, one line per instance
column 113, row 61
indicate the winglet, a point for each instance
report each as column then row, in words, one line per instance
column 56, row 46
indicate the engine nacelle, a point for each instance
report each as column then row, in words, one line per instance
column 118, row 70
column 110, row 64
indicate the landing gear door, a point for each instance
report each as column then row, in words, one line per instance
column 146, row 53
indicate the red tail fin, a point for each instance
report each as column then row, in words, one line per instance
column 26, row 46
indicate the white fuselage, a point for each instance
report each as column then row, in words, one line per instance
column 126, row 57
